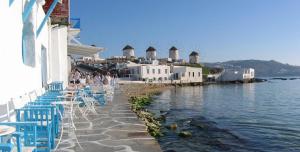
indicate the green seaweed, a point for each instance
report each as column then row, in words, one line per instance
column 138, row 105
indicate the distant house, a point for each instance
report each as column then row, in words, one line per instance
column 149, row 72
column 230, row 75
column 187, row 74
column 164, row 73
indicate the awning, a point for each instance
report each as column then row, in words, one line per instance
column 83, row 50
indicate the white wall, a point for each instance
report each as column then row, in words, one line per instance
column 128, row 53
column 237, row 74
column 174, row 54
column 249, row 73
column 151, row 55
column 17, row 78
column 188, row 74
column 58, row 55
column 156, row 75
column 194, row 59
column 141, row 71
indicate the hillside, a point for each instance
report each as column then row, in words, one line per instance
column 262, row 68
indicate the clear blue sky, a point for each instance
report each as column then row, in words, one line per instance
column 220, row 29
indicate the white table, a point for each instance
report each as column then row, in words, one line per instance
column 6, row 130
column 70, row 104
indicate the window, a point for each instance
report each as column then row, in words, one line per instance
column 153, row 71
column 44, row 66
column 166, row 71
column 199, row 74
column 28, row 42
column 166, row 78
column 154, row 79
column 193, row 74
column 189, row 74
column 132, row 71
column 148, row 71
column 183, row 74
column 158, row 71
column 137, row 71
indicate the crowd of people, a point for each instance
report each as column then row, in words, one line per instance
column 96, row 78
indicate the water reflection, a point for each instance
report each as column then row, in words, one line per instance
column 249, row 117
column 249, row 91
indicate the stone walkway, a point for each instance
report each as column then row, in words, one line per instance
column 115, row 128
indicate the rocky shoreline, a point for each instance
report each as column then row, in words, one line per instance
column 139, row 96
column 140, row 99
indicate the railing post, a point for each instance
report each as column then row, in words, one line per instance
column 10, row 2
column 50, row 10
column 27, row 10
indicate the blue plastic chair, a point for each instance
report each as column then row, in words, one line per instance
column 100, row 98
column 55, row 86
column 24, row 130
column 6, row 147
column 55, row 118
column 43, row 118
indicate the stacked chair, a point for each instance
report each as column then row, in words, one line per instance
column 39, row 122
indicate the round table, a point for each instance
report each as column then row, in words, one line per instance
column 6, row 130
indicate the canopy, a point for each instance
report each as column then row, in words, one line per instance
column 83, row 50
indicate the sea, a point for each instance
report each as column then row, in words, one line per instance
column 252, row 117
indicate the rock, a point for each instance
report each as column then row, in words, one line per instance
column 162, row 118
column 185, row 134
column 173, row 126
column 219, row 144
column 202, row 126
column 170, row 150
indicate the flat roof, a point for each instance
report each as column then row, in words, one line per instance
column 84, row 50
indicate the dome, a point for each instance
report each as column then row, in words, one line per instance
column 128, row 47
column 173, row 48
column 194, row 53
column 151, row 49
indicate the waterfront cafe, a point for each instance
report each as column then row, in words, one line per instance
column 35, row 62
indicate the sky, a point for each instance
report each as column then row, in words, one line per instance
column 220, row 30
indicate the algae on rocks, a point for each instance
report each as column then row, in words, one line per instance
column 185, row 134
column 138, row 105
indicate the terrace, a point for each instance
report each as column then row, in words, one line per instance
column 114, row 128
column 104, row 126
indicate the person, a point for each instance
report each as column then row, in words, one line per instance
column 71, row 78
column 77, row 76
column 82, row 81
column 106, row 80
column 97, row 79
column 88, row 79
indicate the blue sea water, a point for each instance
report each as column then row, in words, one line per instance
column 262, row 117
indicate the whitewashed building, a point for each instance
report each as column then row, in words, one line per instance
column 174, row 53
column 187, row 74
column 229, row 75
column 149, row 72
column 128, row 51
column 151, row 53
column 194, row 58
column 164, row 73
column 33, row 52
